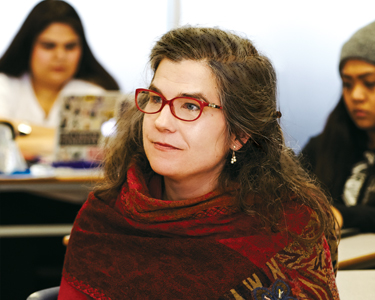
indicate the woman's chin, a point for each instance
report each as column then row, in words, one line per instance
column 366, row 126
column 166, row 169
column 59, row 79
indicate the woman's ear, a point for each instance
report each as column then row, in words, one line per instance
column 237, row 143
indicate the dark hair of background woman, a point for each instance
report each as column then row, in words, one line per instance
column 340, row 146
column 15, row 60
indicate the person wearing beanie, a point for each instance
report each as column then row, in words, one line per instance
column 343, row 155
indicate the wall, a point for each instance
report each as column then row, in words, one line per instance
column 303, row 39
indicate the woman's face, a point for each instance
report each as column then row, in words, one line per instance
column 181, row 150
column 358, row 79
column 55, row 55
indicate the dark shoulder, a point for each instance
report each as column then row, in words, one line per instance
column 308, row 155
column 312, row 143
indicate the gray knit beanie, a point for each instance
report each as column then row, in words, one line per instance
column 361, row 45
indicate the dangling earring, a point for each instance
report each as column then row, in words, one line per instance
column 233, row 159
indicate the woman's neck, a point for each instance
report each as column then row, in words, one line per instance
column 46, row 94
column 187, row 189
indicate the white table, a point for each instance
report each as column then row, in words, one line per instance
column 69, row 185
column 357, row 284
column 357, row 252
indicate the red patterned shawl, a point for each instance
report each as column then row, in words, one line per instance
column 139, row 247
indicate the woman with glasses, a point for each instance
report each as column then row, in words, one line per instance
column 49, row 57
column 201, row 197
column 343, row 155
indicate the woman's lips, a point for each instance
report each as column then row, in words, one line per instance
column 359, row 113
column 58, row 69
column 164, row 147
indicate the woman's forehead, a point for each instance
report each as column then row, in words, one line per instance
column 58, row 31
column 185, row 77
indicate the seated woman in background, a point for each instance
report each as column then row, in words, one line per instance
column 48, row 57
column 202, row 199
column 343, row 155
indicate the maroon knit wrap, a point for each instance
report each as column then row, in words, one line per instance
column 139, row 247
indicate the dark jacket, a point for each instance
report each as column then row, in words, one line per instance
column 360, row 216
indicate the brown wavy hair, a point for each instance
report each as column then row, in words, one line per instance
column 267, row 172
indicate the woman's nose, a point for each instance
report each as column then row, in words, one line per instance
column 60, row 53
column 165, row 120
column 358, row 93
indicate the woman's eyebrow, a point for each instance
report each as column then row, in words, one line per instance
column 346, row 76
column 51, row 41
column 46, row 42
column 198, row 96
column 154, row 88
column 361, row 76
column 72, row 42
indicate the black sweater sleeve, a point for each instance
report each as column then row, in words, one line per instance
column 359, row 216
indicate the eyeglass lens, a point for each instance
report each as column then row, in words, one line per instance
column 183, row 108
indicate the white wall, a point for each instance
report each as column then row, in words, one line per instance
column 303, row 39
column 120, row 33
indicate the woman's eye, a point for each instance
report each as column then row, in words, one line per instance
column 370, row 84
column 346, row 85
column 47, row 46
column 155, row 99
column 71, row 46
column 191, row 106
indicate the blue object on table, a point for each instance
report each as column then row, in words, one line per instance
column 27, row 171
column 76, row 164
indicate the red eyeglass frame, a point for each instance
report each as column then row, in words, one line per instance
column 202, row 105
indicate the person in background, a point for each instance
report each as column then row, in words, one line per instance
column 343, row 155
column 201, row 198
column 49, row 57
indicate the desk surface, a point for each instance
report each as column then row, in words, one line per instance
column 67, row 185
column 44, row 180
column 356, row 252
column 56, row 176
column 357, row 284
column 53, row 175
